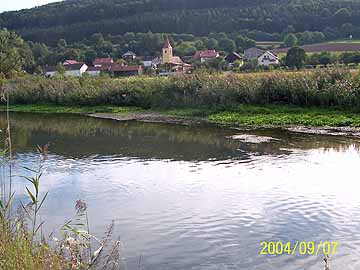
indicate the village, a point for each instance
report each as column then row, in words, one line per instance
column 166, row 64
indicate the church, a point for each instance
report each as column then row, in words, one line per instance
column 170, row 62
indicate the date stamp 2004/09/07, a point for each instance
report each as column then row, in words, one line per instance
column 298, row 248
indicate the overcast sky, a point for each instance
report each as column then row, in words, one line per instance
column 21, row 4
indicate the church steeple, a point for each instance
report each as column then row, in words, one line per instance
column 167, row 51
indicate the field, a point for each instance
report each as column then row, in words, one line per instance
column 268, row 44
column 326, row 47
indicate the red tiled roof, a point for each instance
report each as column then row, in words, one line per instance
column 176, row 60
column 206, row 54
column 95, row 69
column 99, row 61
column 167, row 44
column 70, row 62
column 118, row 67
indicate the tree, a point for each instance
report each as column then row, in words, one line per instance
column 217, row 63
column 326, row 58
column 227, row 45
column 60, row 69
column 185, row 48
column 212, row 43
column 290, row 40
column 90, row 56
column 244, row 43
column 15, row 54
column 295, row 57
column 41, row 53
column 199, row 45
column 62, row 43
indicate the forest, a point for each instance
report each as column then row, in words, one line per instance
column 259, row 20
column 86, row 29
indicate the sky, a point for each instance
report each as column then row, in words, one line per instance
column 7, row 5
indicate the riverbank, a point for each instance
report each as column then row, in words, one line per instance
column 329, row 89
column 307, row 120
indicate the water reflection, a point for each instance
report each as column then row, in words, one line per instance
column 77, row 136
column 190, row 198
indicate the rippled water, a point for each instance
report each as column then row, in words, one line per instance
column 189, row 197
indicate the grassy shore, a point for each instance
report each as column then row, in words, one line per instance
column 242, row 115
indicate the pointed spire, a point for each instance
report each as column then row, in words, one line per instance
column 167, row 44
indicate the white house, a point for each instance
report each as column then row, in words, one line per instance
column 129, row 55
column 151, row 62
column 75, row 70
column 268, row 58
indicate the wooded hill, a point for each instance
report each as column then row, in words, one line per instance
column 76, row 20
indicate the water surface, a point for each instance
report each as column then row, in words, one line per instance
column 190, row 197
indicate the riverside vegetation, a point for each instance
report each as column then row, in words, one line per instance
column 328, row 97
column 23, row 245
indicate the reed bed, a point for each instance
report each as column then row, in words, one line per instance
column 321, row 88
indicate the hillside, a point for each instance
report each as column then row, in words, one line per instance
column 76, row 20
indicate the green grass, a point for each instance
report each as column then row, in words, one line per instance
column 69, row 109
column 242, row 115
column 248, row 115
column 17, row 252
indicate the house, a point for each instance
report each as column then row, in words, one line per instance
column 129, row 55
column 70, row 62
column 149, row 61
column 234, row 57
column 157, row 61
column 93, row 71
column 101, row 62
column 71, row 70
column 170, row 62
column 252, row 53
column 205, row 55
column 75, row 70
column 120, row 70
column 267, row 59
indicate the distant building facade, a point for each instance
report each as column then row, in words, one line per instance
column 252, row 53
column 118, row 70
column 268, row 58
column 129, row 55
column 103, row 62
column 93, row 71
column 75, row 70
column 71, row 70
column 150, row 61
column 205, row 55
column 234, row 57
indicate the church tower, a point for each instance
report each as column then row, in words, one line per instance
column 167, row 52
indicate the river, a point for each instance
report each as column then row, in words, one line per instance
column 196, row 197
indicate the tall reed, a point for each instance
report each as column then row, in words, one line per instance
column 325, row 88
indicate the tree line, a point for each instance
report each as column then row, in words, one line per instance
column 267, row 20
column 18, row 55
